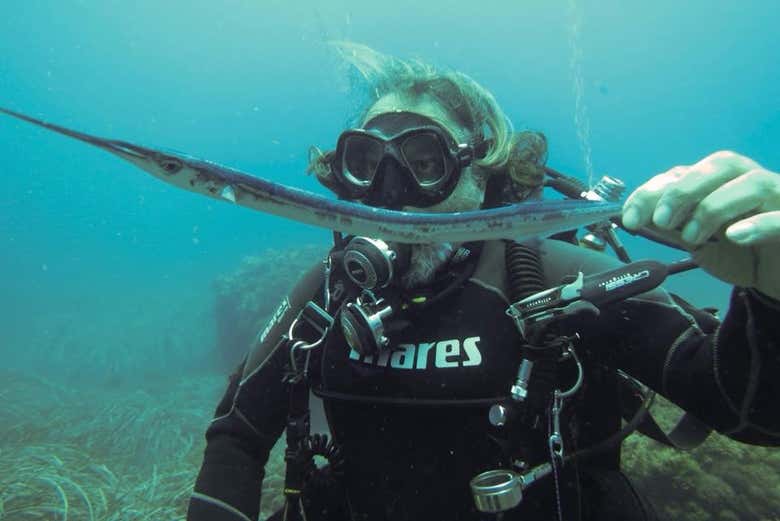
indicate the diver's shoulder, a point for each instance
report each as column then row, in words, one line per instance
column 565, row 258
column 490, row 272
column 554, row 255
column 557, row 260
column 271, row 337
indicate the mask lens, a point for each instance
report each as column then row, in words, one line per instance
column 425, row 156
column 361, row 157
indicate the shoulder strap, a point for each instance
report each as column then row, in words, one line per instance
column 270, row 337
column 687, row 433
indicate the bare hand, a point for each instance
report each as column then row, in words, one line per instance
column 725, row 209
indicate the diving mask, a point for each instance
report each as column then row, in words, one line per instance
column 401, row 158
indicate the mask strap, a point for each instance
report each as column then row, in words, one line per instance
column 481, row 146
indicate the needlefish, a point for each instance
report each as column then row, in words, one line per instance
column 516, row 221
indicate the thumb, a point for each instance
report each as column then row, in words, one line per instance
column 762, row 228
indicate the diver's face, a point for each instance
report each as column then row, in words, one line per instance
column 469, row 190
column 467, row 194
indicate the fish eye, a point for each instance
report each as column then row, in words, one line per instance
column 170, row 165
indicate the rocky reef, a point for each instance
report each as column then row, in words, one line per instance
column 246, row 297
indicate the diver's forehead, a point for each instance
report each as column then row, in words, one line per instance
column 424, row 106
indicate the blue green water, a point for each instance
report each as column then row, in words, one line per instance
column 253, row 84
column 107, row 275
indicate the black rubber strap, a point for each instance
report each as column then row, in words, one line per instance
column 688, row 433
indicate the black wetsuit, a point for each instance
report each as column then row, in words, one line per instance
column 413, row 422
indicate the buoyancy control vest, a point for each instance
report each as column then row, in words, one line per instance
column 458, row 350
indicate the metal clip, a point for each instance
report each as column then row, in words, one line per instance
column 556, row 440
column 326, row 289
column 317, row 318
column 298, row 345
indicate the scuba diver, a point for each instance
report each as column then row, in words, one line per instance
column 470, row 381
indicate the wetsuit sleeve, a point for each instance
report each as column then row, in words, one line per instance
column 238, row 443
column 726, row 374
column 248, row 421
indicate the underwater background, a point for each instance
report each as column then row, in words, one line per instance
column 125, row 301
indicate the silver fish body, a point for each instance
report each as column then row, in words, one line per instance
column 517, row 221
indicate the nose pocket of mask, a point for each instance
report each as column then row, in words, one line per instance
column 392, row 183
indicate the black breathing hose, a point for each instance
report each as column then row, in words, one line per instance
column 526, row 277
column 524, row 270
column 570, row 187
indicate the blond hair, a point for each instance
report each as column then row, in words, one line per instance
column 519, row 156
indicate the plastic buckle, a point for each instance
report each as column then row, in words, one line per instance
column 316, row 317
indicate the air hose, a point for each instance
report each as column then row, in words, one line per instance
column 526, row 277
column 524, row 270
column 566, row 185
column 325, row 477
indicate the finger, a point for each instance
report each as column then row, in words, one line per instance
column 737, row 197
column 762, row 228
column 678, row 202
column 638, row 208
column 731, row 157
